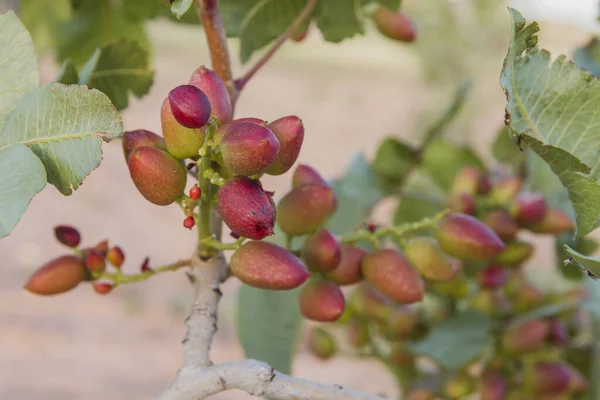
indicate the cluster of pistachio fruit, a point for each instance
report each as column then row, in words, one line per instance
column 543, row 357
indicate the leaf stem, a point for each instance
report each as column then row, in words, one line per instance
column 396, row 231
column 118, row 278
column 240, row 83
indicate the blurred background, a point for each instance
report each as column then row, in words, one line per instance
column 128, row 345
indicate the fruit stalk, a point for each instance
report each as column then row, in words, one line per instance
column 119, row 278
column 204, row 226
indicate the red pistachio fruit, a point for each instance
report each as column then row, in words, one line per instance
column 321, row 300
column 190, row 106
column 321, row 252
column 67, row 235
column 465, row 237
column 348, row 270
column 267, row 266
column 57, row 276
column 246, row 208
column 390, row 272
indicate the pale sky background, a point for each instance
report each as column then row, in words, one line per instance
column 581, row 13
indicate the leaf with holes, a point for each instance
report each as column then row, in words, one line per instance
column 18, row 64
column 22, row 175
column 64, row 126
column 553, row 107
column 117, row 69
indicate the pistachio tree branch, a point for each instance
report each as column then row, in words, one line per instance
column 198, row 378
column 208, row 10
column 241, row 82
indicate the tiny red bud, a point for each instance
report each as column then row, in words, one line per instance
column 189, row 222
column 145, row 267
column 94, row 261
column 102, row 287
column 115, row 256
column 234, row 235
column 102, row 247
column 67, row 235
column 195, row 192
column 371, row 228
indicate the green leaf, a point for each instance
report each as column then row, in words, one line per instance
column 233, row 13
column 582, row 245
column 553, row 107
column 180, row 7
column 265, row 21
column 143, row 9
column 41, row 17
column 549, row 310
column 457, row 341
column 64, row 126
column 117, row 69
column 22, row 175
column 95, row 24
column 394, row 159
column 269, row 325
column 414, row 209
column 68, row 73
column 589, row 263
column 588, row 57
column 18, row 64
column 505, row 148
column 339, row 19
column 357, row 192
column 442, row 160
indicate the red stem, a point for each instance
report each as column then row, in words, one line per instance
column 241, row 82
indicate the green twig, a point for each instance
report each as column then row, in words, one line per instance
column 119, row 278
column 212, row 243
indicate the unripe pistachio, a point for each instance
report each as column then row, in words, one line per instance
column 525, row 337
column 57, row 276
column 321, row 252
column 139, row 138
column 424, row 253
column 466, row 181
column 555, row 221
column 94, row 261
column 459, row 386
column 502, row 223
column 395, row 25
column 400, row 322
column 493, row 385
column 484, row 185
column 484, row 301
column 321, row 344
column 246, row 208
column 462, row 203
column 102, row 287
column 304, row 175
column 348, row 270
column 515, row 253
column 492, row 277
column 267, row 266
column 358, row 334
column 321, row 300
column 529, row 208
column 390, row 272
column 465, row 237
column 421, row 394
column 248, row 148
column 67, row 235
column 305, row 209
column 559, row 333
column 116, row 256
column 548, row 378
column 180, row 142
column 216, row 91
column 505, row 190
column 366, row 301
column 158, row 176
column 195, row 193
column 456, row 288
column 102, row 247
column 528, row 297
column 290, row 134
column 400, row 356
